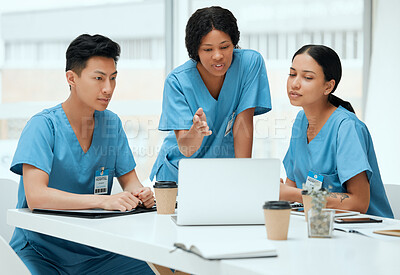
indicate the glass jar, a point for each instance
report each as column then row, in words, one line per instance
column 320, row 223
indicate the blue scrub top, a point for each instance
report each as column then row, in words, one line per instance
column 49, row 143
column 341, row 150
column 245, row 86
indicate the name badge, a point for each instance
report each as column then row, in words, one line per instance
column 101, row 182
column 314, row 180
column 229, row 126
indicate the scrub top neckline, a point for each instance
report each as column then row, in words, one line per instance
column 73, row 136
column 200, row 79
column 321, row 132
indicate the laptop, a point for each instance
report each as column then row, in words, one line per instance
column 226, row 191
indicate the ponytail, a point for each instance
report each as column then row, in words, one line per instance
column 336, row 101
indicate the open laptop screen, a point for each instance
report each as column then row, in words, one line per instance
column 226, row 191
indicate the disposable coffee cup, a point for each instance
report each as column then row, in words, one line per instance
column 306, row 202
column 165, row 192
column 277, row 217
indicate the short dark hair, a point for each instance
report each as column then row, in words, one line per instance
column 329, row 60
column 205, row 20
column 86, row 46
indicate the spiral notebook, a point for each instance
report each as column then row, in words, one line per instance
column 229, row 249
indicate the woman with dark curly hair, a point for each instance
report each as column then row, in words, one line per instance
column 210, row 100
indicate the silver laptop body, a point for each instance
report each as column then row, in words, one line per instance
column 226, row 191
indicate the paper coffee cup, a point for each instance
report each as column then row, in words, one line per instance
column 306, row 203
column 165, row 192
column 277, row 217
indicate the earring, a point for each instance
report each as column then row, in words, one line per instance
column 326, row 93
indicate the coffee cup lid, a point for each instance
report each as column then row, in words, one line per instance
column 165, row 184
column 277, row 205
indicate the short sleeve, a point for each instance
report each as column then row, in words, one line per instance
column 124, row 161
column 352, row 150
column 288, row 163
column 35, row 146
column 176, row 113
column 255, row 91
column 289, row 160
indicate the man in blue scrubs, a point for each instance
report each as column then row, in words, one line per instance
column 67, row 157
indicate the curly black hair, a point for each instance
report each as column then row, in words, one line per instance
column 86, row 46
column 205, row 20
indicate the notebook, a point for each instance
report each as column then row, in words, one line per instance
column 226, row 191
column 237, row 249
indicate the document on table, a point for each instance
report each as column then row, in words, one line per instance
column 368, row 229
column 233, row 249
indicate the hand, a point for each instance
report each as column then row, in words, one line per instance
column 145, row 195
column 289, row 192
column 283, row 191
column 124, row 201
column 200, row 123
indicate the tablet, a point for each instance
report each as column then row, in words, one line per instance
column 358, row 220
column 338, row 212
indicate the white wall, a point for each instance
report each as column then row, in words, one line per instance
column 383, row 110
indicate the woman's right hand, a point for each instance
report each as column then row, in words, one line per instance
column 189, row 141
column 123, row 201
column 200, row 123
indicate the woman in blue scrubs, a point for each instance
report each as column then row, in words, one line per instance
column 328, row 139
column 67, row 157
column 209, row 101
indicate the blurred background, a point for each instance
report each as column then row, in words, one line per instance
column 34, row 35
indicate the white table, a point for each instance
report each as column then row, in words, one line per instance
column 150, row 237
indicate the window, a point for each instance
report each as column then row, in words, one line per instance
column 36, row 35
column 35, row 38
